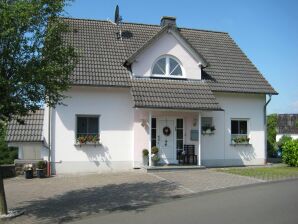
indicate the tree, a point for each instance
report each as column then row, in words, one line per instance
column 271, row 134
column 35, row 61
column 7, row 154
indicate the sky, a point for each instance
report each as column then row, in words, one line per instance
column 266, row 30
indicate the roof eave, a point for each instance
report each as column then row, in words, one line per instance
column 178, row 108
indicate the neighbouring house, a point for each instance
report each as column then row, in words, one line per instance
column 28, row 136
column 287, row 124
column 156, row 85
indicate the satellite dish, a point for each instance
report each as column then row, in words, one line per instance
column 118, row 18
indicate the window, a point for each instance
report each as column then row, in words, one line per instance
column 167, row 66
column 239, row 131
column 179, row 134
column 87, row 125
column 153, row 132
column 207, row 122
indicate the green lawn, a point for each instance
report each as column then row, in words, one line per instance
column 264, row 173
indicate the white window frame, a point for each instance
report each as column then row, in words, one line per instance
column 167, row 72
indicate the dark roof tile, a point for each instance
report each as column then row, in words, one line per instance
column 102, row 55
column 173, row 94
column 30, row 131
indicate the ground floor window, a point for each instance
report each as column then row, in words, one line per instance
column 239, row 132
column 87, row 125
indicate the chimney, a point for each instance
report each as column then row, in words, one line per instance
column 168, row 20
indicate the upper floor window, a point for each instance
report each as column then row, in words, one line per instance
column 167, row 66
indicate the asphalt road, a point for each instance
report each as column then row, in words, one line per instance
column 266, row 203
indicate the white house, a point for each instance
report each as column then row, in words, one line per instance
column 156, row 85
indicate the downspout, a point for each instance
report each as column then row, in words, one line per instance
column 49, row 143
column 265, row 126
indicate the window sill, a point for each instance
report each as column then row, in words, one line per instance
column 244, row 144
column 88, row 144
column 167, row 77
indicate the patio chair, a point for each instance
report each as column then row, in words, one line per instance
column 190, row 157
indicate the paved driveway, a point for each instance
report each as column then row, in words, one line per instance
column 66, row 198
column 195, row 181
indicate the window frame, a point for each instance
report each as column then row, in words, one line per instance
column 88, row 116
column 238, row 134
column 176, row 129
column 167, row 73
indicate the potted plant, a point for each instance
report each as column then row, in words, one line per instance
column 208, row 129
column 40, row 169
column 88, row 139
column 145, row 157
column 154, row 157
column 240, row 140
column 28, row 171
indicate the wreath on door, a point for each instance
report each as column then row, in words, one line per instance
column 166, row 131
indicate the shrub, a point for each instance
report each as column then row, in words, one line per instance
column 145, row 152
column 154, row 150
column 271, row 135
column 283, row 140
column 290, row 152
column 41, row 164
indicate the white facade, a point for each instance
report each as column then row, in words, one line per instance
column 114, row 107
column 168, row 44
column 217, row 149
column 123, row 134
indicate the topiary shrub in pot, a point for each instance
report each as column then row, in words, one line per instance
column 145, row 157
column 40, row 169
column 154, row 157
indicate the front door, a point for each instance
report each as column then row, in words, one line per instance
column 165, row 140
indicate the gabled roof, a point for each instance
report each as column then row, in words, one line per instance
column 176, row 33
column 173, row 94
column 102, row 55
column 30, row 131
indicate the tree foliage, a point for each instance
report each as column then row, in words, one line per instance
column 271, row 134
column 35, row 62
column 7, row 154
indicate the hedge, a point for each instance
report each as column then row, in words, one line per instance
column 290, row 152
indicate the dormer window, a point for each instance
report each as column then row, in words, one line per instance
column 167, row 66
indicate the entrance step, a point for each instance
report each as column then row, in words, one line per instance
column 171, row 168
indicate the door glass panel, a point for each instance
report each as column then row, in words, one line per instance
column 179, row 133
column 179, row 144
column 179, row 123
